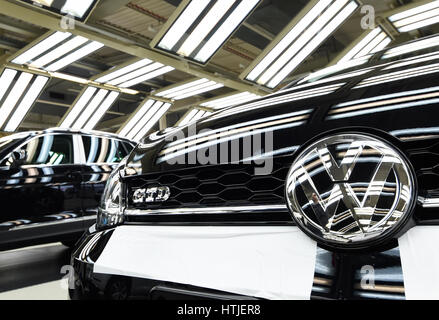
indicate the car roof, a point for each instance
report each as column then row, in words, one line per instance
column 72, row 131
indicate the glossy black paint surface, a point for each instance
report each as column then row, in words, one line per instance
column 50, row 202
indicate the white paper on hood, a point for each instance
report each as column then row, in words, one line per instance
column 265, row 262
column 419, row 250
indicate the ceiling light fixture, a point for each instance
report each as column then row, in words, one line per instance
column 417, row 17
column 133, row 72
column 18, row 92
column 80, row 10
column 198, row 28
column 55, row 51
column 26, row 103
column 143, row 119
column 89, row 108
column 298, row 40
column 188, row 89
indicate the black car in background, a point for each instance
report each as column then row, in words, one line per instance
column 355, row 168
column 51, row 182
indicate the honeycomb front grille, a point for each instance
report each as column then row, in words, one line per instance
column 224, row 185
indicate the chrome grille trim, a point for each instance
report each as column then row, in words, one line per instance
column 211, row 210
column 428, row 202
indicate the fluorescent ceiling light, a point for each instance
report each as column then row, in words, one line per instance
column 412, row 47
column 6, row 79
column 89, row 108
column 299, row 42
column 134, row 73
column 144, row 118
column 374, row 41
column 198, row 37
column 57, row 51
column 78, row 107
column 417, row 17
column 14, row 95
column 230, row 100
column 138, row 114
column 75, row 56
column 41, row 47
column 183, row 23
column 26, row 103
column 77, row 9
column 170, row 92
column 17, row 98
column 189, row 89
column 124, row 70
column 147, row 126
column 103, row 108
column 209, row 21
column 147, row 76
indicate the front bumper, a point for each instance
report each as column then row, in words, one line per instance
column 336, row 276
column 96, row 286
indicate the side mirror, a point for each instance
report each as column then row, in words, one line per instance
column 18, row 158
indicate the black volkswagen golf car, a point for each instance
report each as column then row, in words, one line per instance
column 327, row 189
column 51, row 182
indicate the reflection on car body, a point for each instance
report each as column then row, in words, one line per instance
column 46, row 186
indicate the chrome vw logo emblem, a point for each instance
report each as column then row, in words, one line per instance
column 350, row 190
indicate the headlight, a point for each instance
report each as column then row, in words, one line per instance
column 110, row 211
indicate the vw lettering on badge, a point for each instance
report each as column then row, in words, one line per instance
column 151, row 194
column 350, row 191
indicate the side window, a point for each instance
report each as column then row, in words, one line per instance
column 128, row 147
column 103, row 150
column 120, row 151
column 92, row 148
column 49, row 149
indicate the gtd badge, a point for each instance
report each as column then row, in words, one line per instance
column 151, row 195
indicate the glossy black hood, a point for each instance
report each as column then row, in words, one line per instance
column 404, row 111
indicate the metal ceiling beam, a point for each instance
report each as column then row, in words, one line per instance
column 112, row 123
column 66, row 105
column 259, row 30
column 39, row 121
column 106, row 8
column 9, row 26
column 80, row 81
column 52, row 22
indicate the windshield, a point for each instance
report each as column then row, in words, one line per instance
column 9, row 142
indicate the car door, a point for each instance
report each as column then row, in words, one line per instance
column 102, row 155
column 40, row 197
